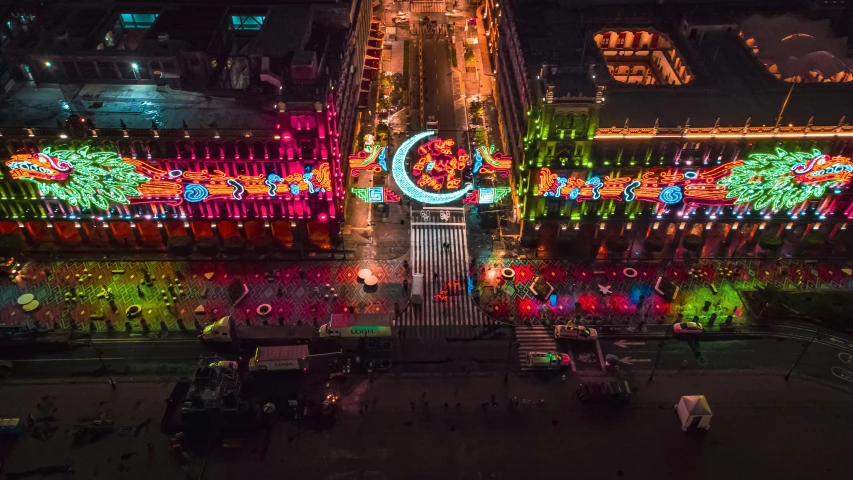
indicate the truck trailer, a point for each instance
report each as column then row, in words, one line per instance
column 279, row 359
column 357, row 325
column 224, row 331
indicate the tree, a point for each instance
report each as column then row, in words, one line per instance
column 475, row 109
column 770, row 242
column 11, row 244
column 693, row 243
column 617, row 244
column 480, row 136
column 208, row 246
column 382, row 132
column 653, row 244
column 384, row 103
column 812, row 240
column 180, row 246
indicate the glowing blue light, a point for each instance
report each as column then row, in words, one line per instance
column 690, row 175
column 671, row 195
column 398, row 171
column 376, row 194
column 272, row 182
column 487, row 195
column 629, row 190
column 294, row 189
column 553, row 299
column 478, row 160
column 574, row 193
column 175, row 173
column 595, row 191
column 237, row 193
column 195, row 193
column 382, row 163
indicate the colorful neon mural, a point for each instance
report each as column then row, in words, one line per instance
column 487, row 161
column 438, row 166
column 401, row 177
column 486, row 195
column 371, row 159
column 376, row 194
column 88, row 178
column 780, row 180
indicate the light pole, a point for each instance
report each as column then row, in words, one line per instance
column 660, row 353
column 802, row 354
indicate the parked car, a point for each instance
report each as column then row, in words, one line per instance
column 575, row 332
column 401, row 21
column 687, row 328
column 548, row 360
column 618, row 392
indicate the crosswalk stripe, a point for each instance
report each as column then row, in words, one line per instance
column 533, row 338
column 457, row 316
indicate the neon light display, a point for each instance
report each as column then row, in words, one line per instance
column 484, row 195
column 87, row 178
column 371, row 159
column 398, row 170
column 376, row 195
column 487, row 161
column 779, row 180
column 437, row 166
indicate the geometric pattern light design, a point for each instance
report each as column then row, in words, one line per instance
column 88, row 178
column 408, row 187
column 376, row 194
column 486, row 195
column 487, row 161
column 371, row 159
column 780, row 180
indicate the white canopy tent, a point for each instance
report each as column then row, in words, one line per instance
column 694, row 412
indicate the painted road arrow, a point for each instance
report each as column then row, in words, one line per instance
column 624, row 344
column 629, row 360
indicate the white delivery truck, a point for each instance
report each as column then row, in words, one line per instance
column 279, row 359
column 226, row 331
column 357, row 325
column 417, row 297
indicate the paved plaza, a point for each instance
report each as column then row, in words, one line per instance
column 296, row 292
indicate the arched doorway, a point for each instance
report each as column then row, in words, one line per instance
column 282, row 233
column 67, row 233
column 318, row 234
column 122, row 233
column 39, row 232
column 150, row 233
column 95, row 233
column 201, row 228
column 228, row 229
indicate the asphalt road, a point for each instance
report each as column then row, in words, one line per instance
column 438, row 87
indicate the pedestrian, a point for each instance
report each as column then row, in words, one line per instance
column 139, row 291
column 360, row 412
column 423, row 393
column 366, row 408
column 280, row 292
column 412, row 405
column 493, row 398
column 541, row 403
column 426, row 406
column 446, row 407
column 31, row 420
column 458, row 406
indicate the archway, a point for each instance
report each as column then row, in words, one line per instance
column 67, row 233
column 175, row 228
column 39, row 232
column 150, row 233
column 272, row 150
column 123, row 233
column 242, row 150
column 318, row 234
column 213, row 150
column 228, row 229
column 95, row 233
column 282, row 233
column 201, row 228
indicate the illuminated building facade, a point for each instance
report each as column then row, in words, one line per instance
column 260, row 169
column 645, row 122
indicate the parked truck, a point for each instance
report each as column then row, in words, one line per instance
column 14, row 338
column 225, row 331
column 357, row 325
column 279, row 359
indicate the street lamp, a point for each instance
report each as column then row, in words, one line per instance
column 47, row 64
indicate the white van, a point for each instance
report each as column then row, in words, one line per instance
column 417, row 289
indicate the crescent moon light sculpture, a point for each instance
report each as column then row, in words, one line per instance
column 398, row 171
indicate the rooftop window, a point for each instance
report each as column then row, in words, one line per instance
column 137, row 20
column 247, row 22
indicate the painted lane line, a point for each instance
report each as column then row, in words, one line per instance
column 630, row 361
column 842, row 373
column 624, row 344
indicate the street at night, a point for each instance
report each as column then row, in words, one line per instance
column 463, row 239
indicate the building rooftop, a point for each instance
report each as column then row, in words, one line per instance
column 135, row 105
column 728, row 81
column 187, row 28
